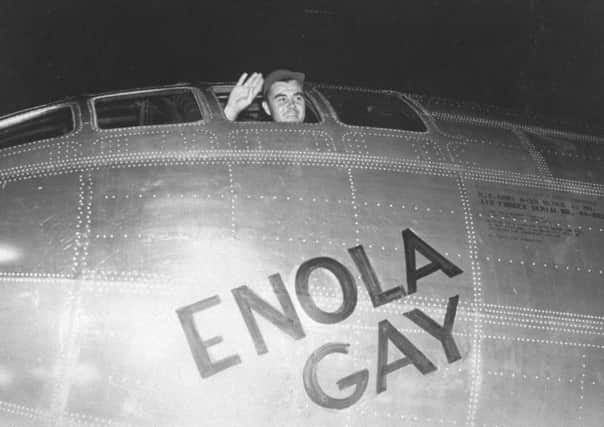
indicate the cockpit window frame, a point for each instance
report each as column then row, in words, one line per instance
column 309, row 96
column 38, row 111
column 204, row 110
column 421, row 114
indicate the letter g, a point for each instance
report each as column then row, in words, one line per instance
column 311, row 383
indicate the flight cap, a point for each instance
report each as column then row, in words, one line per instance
column 281, row 76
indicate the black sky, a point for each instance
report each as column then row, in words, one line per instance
column 535, row 55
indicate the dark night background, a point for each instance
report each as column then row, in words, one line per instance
column 538, row 56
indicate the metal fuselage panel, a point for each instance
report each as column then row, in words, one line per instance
column 125, row 253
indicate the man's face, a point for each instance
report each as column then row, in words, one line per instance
column 285, row 102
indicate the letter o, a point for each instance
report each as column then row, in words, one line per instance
column 347, row 284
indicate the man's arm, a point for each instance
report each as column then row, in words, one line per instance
column 242, row 95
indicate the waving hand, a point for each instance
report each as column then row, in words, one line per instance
column 242, row 94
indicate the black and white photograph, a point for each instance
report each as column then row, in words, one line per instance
column 313, row 213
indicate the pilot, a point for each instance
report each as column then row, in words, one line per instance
column 283, row 92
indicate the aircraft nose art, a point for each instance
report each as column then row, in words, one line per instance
column 214, row 285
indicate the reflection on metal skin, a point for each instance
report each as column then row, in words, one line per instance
column 8, row 254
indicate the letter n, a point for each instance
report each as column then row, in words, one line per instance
column 287, row 321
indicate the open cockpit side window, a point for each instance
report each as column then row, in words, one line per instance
column 147, row 108
column 50, row 122
column 255, row 112
column 373, row 109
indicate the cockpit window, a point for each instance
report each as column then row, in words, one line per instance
column 36, row 125
column 145, row 109
column 255, row 112
column 373, row 109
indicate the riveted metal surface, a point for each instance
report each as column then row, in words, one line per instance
column 571, row 159
column 39, row 222
column 104, row 247
column 551, row 237
column 407, row 145
column 134, row 141
column 475, row 146
column 35, row 324
column 149, row 220
column 430, row 205
column 281, row 139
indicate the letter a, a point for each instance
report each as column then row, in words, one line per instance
column 387, row 333
column 438, row 262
